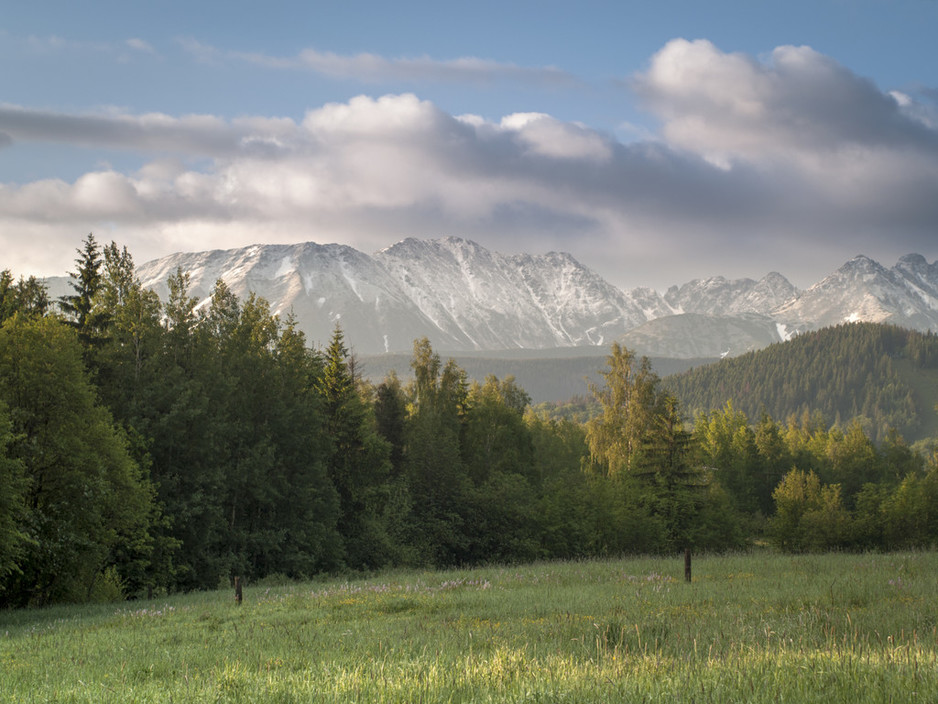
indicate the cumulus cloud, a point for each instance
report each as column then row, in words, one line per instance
column 843, row 154
column 552, row 138
column 756, row 157
column 796, row 102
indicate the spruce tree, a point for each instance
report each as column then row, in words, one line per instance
column 81, row 308
column 358, row 462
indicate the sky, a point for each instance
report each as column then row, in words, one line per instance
column 657, row 142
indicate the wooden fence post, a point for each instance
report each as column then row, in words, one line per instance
column 687, row 565
column 237, row 586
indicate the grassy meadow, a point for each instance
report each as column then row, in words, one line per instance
column 759, row 627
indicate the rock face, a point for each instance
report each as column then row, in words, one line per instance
column 453, row 291
column 718, row 296
column 491, row 301
column 321, row 285
column 463, row 296
column 864, row 290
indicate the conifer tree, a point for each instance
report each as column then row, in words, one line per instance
column 13, row 513
column 28, row 297
column 390, row 408
column 358, row 463
column 667, row 467
column 81, row 308
column 438, row 485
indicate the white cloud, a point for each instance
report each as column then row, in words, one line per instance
column 769, row 157
column 795, row 104
column 140, row 45
column 561, row 140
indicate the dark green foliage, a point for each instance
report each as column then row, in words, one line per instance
column 439, row 486
column 845, row 372
column 358, row 462
column 565, row 500
column 27, row 297
column 13, row 486
column 240, row 448
column 675, row 482
column 640, row 444
column 390, row 418
column 495, row 439
column 498, row 456
column 86, row 500
column 82, row 309
column 151, row 445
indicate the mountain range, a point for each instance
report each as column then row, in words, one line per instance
column 463, row 296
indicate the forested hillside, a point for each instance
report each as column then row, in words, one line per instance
column 885, row 374
column 158, row 446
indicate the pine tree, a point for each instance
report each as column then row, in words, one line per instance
column 359, row 461
column 437, row 483
column 81, row 308
column 667, row 468
column 27, row 297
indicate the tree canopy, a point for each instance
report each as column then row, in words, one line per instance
column 150, row 445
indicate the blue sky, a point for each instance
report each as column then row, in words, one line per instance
column 656, row 142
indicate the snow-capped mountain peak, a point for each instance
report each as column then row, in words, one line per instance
column 466, row 297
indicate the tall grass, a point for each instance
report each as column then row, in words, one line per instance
column 750, row 628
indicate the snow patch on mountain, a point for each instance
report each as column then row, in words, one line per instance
column 463, row 296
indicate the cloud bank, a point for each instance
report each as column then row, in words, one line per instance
column 768, row 158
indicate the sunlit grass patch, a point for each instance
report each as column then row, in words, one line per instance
column 754, row 627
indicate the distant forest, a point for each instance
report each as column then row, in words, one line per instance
column 882, row 375
column 152, row 446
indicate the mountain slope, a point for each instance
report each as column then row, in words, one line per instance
column 694, row 335
column 881, row 372
column 463, row 296
column 719, row 296
column 322, row 285
column 453, row 291
column 864, row 290
column 492, row 301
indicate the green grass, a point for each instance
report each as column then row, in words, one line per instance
column 755, row 627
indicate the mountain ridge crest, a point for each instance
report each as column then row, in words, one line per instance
column 463, row 296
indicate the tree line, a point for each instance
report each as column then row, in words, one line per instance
column 158, row 446
column 879, row 372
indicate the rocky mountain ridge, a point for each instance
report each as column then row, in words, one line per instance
column 463, row 296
